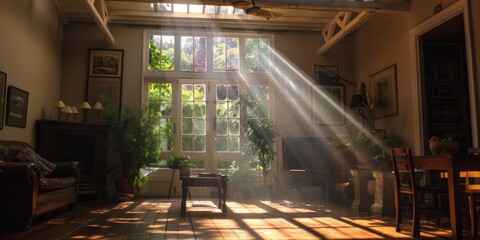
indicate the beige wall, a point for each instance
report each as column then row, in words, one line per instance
column 30, row 54
column 383, row 41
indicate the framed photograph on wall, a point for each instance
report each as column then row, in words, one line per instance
column 17, row 105
column 326, row 74
column 383, row 87
column 328, row 104
column 107, row 91
column 106, row 63
column 3, row 91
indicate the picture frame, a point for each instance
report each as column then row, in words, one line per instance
column 3, row 91
column 105, row 90
column 383, row 86
column 328, row 104
column 17, row 106
column 105, row 63
column 326, row 74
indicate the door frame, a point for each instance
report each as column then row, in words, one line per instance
column 459, row 7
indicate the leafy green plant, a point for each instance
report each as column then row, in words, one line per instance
column 176, row 161
column 137, row 138
column 374, row 144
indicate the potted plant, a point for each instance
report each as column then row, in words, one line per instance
column 184, row 163
column 137, row 138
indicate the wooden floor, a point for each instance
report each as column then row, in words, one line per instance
column 159, row 218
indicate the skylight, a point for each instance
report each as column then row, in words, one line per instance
column 195, row 9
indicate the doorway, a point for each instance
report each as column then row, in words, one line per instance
column 444, row 82
column 457, row 11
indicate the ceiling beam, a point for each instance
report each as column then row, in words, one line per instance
column 343, row 22
column 338, row 5
column 101, row 19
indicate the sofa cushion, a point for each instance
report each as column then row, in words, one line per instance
column 50, row 184
column 44, row 167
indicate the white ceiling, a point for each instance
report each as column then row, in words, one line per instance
column 334, row 18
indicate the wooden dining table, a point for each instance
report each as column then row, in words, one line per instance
column 453, row 165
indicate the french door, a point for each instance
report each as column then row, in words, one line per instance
column 207, row 122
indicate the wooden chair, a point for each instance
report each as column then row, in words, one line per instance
column 472, row 190
column 402, row 160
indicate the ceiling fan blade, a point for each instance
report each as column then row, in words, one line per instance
column 267, row 14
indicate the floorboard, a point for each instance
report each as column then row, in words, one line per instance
column 159, row 218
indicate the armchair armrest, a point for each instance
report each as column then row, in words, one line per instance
column 66, row 169
column 19, row 183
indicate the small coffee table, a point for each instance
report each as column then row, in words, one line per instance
column 205, row 181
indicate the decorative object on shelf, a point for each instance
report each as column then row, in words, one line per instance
column 17, row 106
column 99, row 107
column 75, row 113
column 67, row 110
column 106, row 62
column 383, row 85
column 59, row 105
column 328, row 105
column 440, row 146
column 357, row 103
column 3, row 88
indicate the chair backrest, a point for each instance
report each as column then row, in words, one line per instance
column 402, row 160
column 472, row 177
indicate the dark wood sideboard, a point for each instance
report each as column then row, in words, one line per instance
column 86, row 143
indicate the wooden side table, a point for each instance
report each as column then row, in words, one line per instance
column 205, row 181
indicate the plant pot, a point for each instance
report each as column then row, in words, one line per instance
column 184, row 171
column 125, row 189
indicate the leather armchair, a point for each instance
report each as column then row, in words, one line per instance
column 24, row 194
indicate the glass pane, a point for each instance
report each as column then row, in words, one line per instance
column 226, row 10
column 263, row 93
column 222, row 144
column 187, row 109
column 168, row 53
column 219, row 58
column 221, row 127
column 187, row 92
column 252, row 92
column 233, row 92
column 232, row 54
column 234, row 111
column 187, row 126
column 180, row 8
column 251, row 112
column 221, row 110
column 224, row 164
column 264, row 110
column 199, row 93
column 166, row 108
column 200, row 109
column 165, row 7
column 200, row 54
column 251, row 55
column 199, row 144
column 210, row 9
column 186, row 63
column 187, row 143
column 264, row 55
column 234, row 144
column 154, row 62
column 199, row 126
column 221, row 92
column 194, row 8
column 234, row 127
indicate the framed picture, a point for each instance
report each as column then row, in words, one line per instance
column 383, row 86
column 3, row 90
column 326, row 74
column 17, row 105
column 106, row 63
column 328, row 104
column 107, row 91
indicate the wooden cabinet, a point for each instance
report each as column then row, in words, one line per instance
column 446, row 110
column 86, row 143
